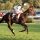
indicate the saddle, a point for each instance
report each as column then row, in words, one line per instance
column 16, row 17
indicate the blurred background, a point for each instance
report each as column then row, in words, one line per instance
column 7, row 5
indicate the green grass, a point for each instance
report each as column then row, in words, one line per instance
column 34, row 32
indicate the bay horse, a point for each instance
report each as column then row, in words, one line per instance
column 9, row 19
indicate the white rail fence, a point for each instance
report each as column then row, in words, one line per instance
column 36, row 19
column 33, row 16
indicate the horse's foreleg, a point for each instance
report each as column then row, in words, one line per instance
column 25, row 28
column 10, row 24
column 11, row 29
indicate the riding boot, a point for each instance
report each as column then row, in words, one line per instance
column 16, row 18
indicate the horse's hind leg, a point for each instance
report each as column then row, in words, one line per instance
column 25, row 28
column 11, row 29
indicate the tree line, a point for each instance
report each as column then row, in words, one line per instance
column 8, row 4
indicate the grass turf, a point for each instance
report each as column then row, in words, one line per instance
column 34, row 32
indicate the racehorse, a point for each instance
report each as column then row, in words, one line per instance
column 10, row 19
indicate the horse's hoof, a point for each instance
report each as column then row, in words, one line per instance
column 14, row 34
column 27, row 32
column 22, row 31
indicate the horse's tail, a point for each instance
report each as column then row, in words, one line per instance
column 2, row 19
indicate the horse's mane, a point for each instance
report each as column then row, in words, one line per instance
column 26, row 11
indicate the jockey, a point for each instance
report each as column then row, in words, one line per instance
column 18, row 10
